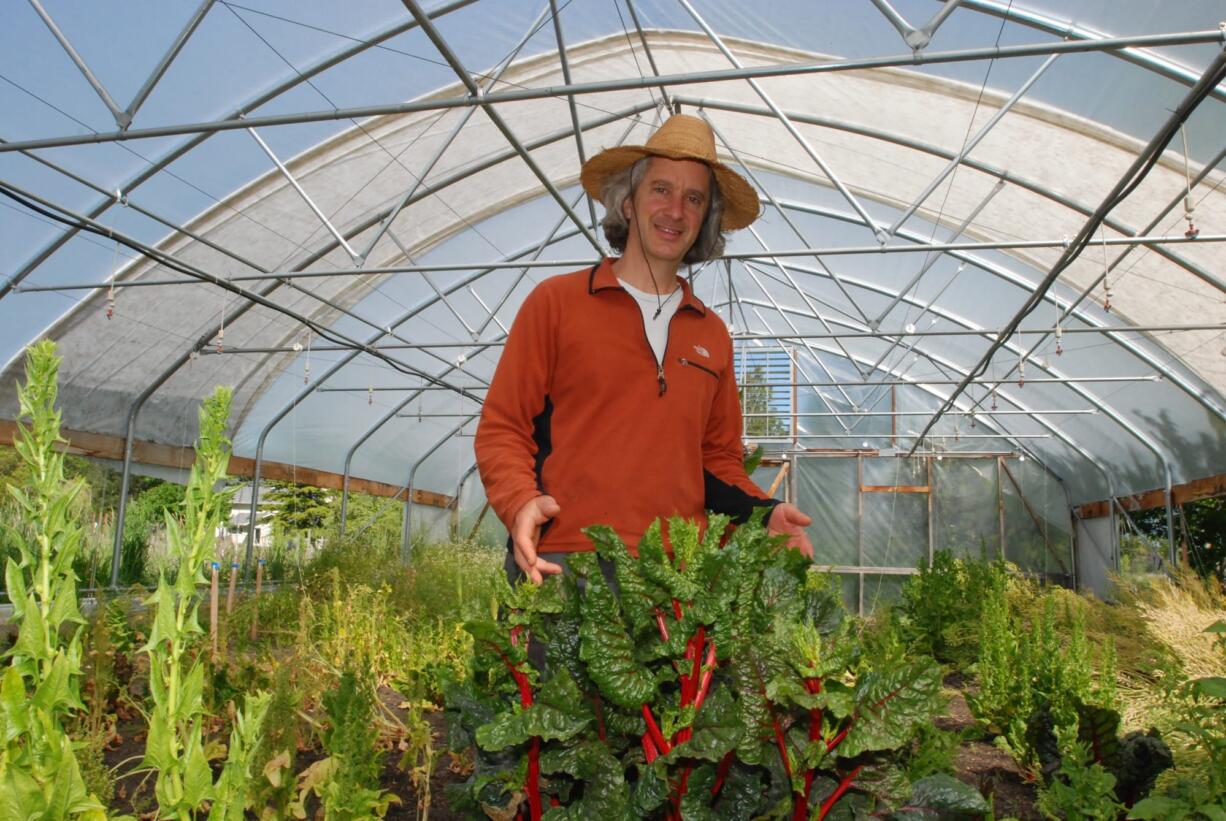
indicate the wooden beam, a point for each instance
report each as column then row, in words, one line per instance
column 1193, row 491
column 894, row 489
column 104, row 446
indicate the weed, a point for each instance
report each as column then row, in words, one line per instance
column 347, row 780
column 40, row 775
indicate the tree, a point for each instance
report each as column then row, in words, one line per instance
column 1206, row 531
column 301, row 507
column 755, row 393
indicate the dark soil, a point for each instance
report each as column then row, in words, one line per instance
column 987, row 767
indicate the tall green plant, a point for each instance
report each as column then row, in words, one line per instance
column 175, row 745
column 347, row 781
column 39, row 773
column 942, row 603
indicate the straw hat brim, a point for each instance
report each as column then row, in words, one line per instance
column 741, row 205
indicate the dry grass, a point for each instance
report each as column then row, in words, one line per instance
column 1178, row 618
column 1175, row 614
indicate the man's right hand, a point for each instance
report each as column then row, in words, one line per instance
column 526, row 534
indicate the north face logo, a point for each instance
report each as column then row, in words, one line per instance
column 701, row 351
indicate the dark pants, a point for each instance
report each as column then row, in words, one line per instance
column 536, row 650
column 515, row 575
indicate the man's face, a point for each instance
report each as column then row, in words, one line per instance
column 666, row 211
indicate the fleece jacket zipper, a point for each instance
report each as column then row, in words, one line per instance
column 659, row 362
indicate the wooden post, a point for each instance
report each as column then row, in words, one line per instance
column 779, row 477
column 233, row 585
column 213, row 607
column 255, row 617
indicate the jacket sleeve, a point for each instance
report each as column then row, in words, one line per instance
column 727, row 489
column 515, row 404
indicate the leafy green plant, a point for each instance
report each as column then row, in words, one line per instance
column 1024, row 669
column 274, row 756
column 1082, row 788
column 40, row 776
column 347, row 781
column 175, row 745
column 233, row 792
column 941, row 605
column 1086, row 764
column 718, row 682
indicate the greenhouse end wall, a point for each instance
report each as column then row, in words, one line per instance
column 876, row 517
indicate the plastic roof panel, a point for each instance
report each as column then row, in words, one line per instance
column 216, row 202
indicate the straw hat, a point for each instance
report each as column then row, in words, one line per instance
column 682, row 137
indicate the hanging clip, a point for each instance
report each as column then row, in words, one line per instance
column 1021, row 373
column 370, row 395
column 1059, row 338
column 1193, row 232
column 110, row 301
column 306, row 366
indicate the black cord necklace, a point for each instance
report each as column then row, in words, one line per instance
column 643, row 252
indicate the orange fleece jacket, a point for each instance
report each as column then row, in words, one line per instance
column 579, row 410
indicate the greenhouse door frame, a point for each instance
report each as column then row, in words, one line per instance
column 861, row 570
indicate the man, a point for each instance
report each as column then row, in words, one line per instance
column 615, row 400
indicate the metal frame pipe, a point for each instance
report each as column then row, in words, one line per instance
column 1046, row 192
column 1147, row 59
column 155, row 167
column 1109, row 44
column 406, row 532
column 970, row 144
column 122, row 119
column 285, row 172
column 570, row 264
column 651, row 60
column 171, row 53
column 370, row 431
column 805, row 145
column 1139, row 167
column 1014, row 278
column 570, row 99
column 478, row 94
column 451, row 137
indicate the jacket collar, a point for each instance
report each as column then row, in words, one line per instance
column 602, row 278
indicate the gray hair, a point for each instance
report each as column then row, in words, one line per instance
column 709, row 244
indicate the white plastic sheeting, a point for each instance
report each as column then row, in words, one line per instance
column 832, row 147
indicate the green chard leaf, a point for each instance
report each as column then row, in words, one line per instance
column 609, row 651
column 650, row 791
column 740, row 796
column 943, row 796
column 658, row 569
column 559, row 713
column 889, row 705
column 717, row 730
column 637, row 600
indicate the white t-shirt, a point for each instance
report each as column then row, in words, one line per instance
column 655, row 325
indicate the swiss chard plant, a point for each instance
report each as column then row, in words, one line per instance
column 701, row 680
column 1088, row 769
column 40, row 776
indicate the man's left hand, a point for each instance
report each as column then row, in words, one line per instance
column 787, row 520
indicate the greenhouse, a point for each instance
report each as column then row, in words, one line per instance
column 978, row 323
